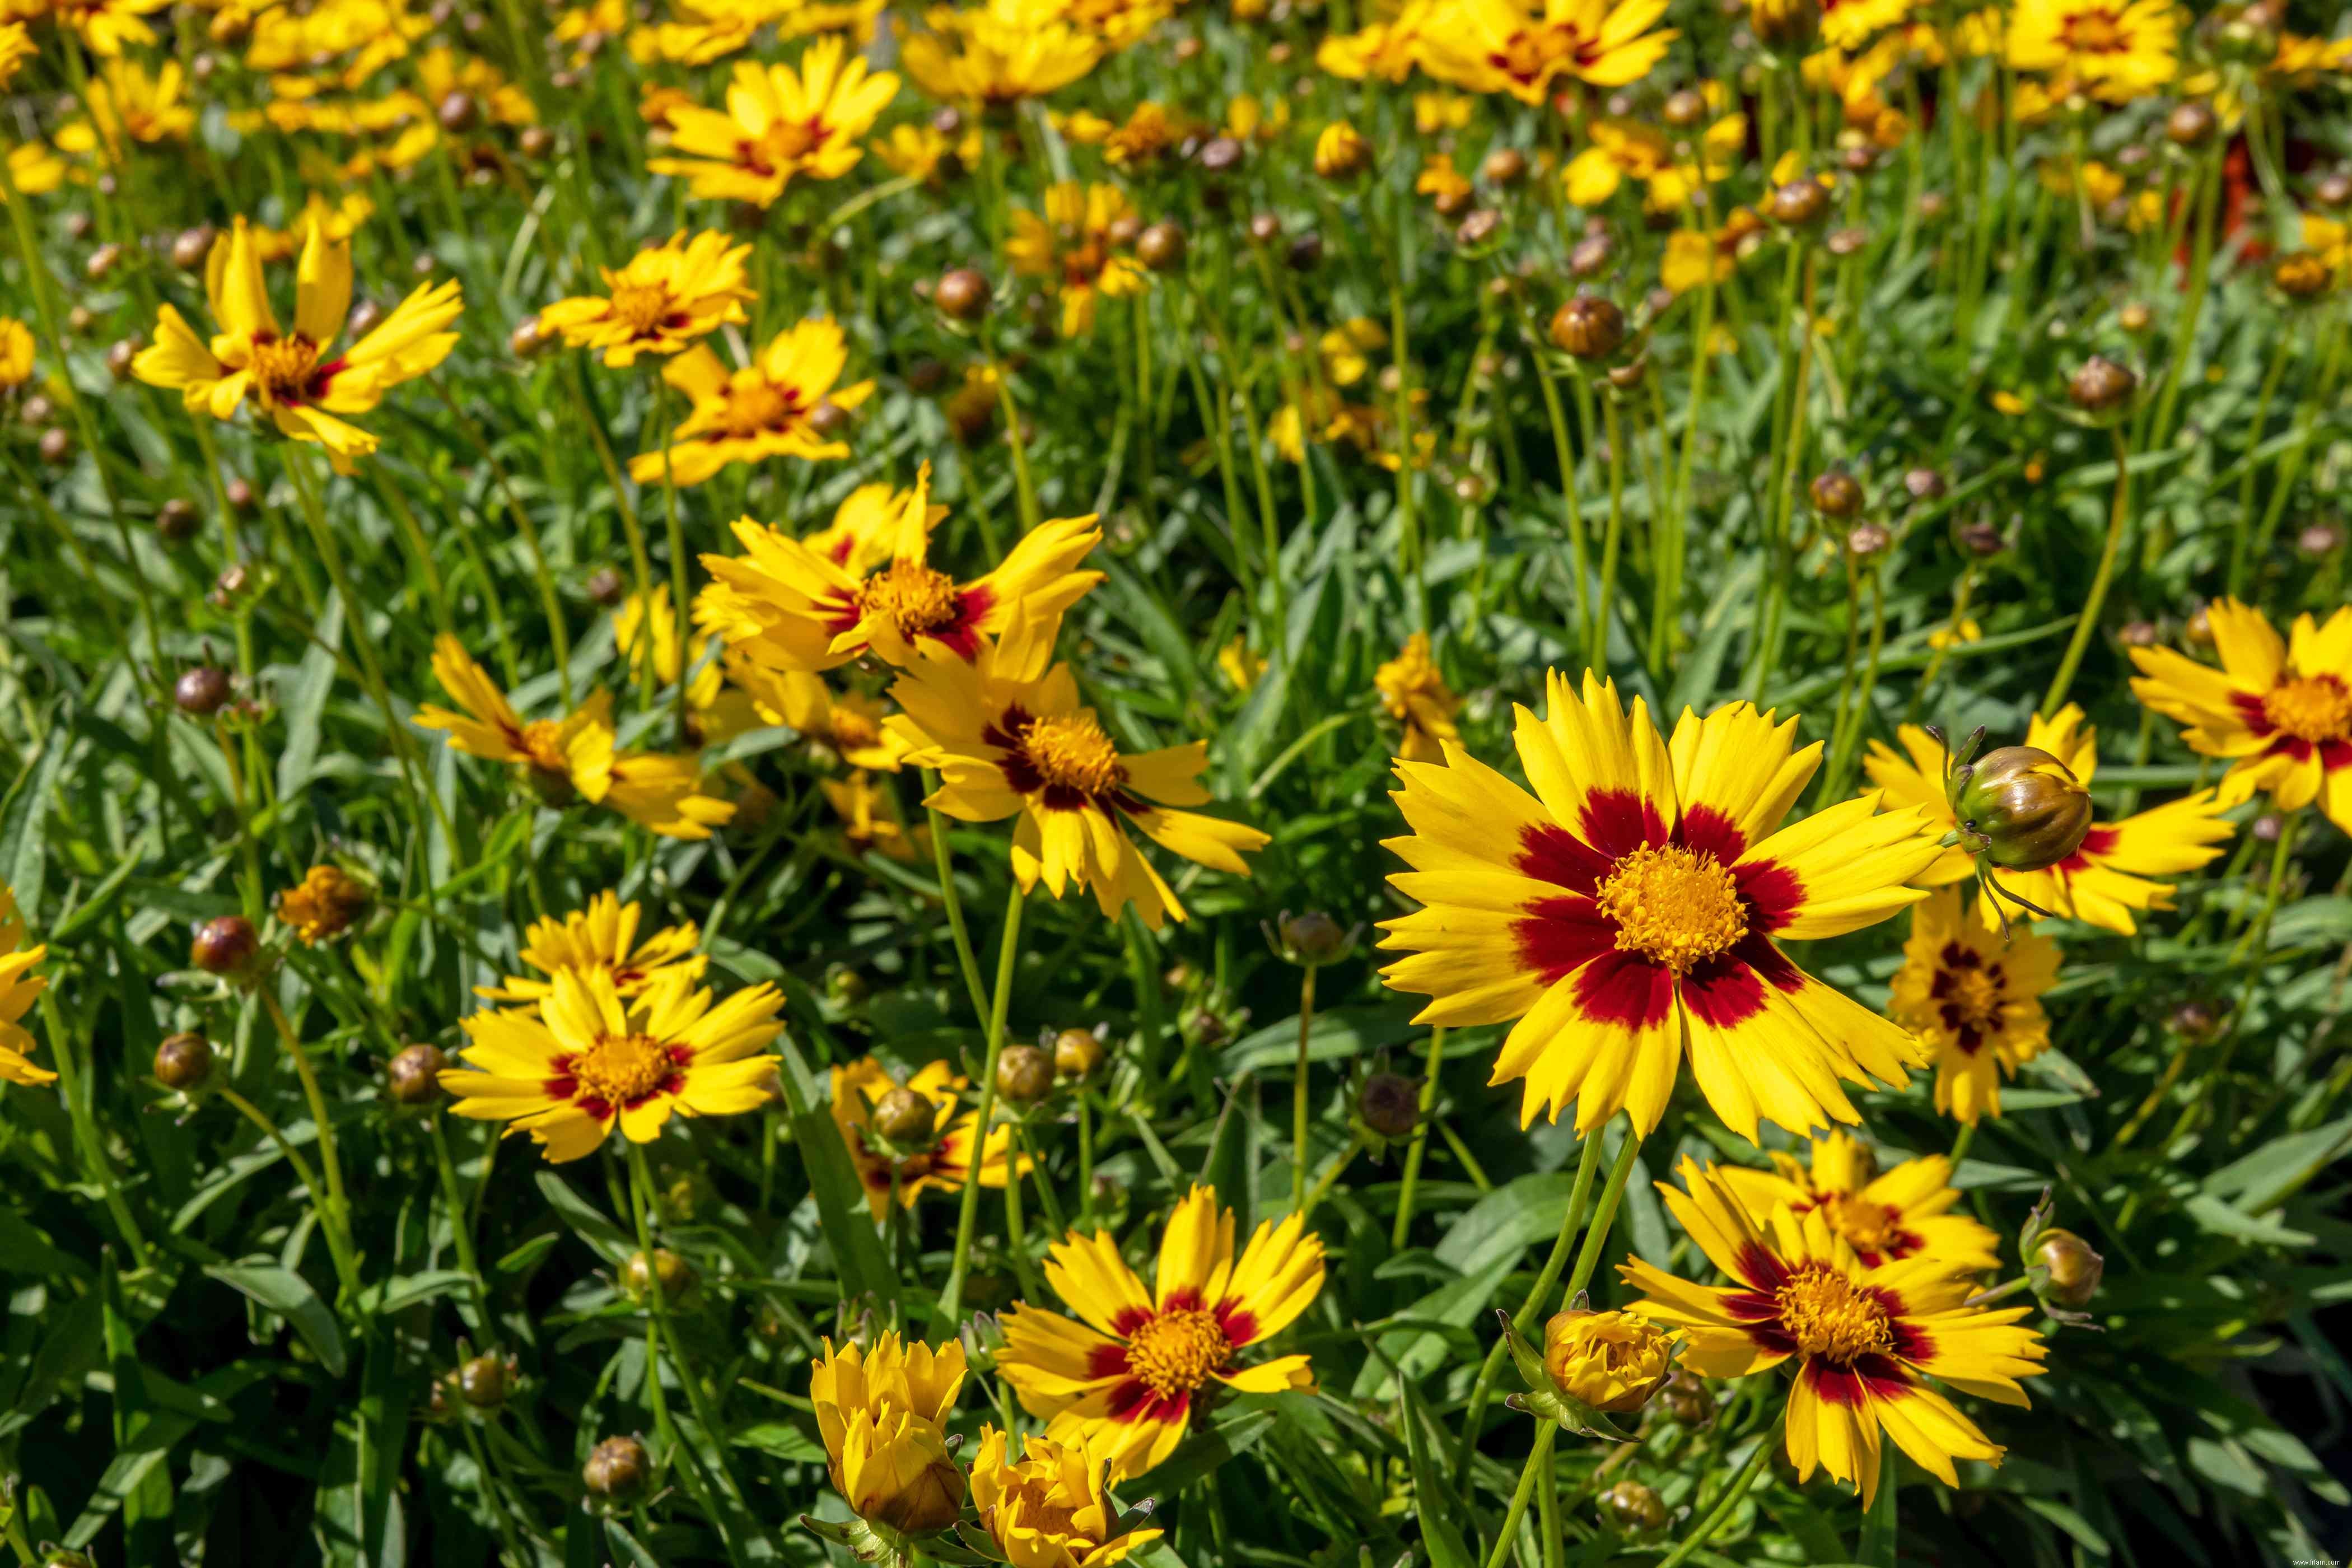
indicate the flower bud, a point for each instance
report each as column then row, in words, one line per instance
column 1024, row 1075
column 1390, row 1104
column 56, row 446
column 1626, row 378
column 1835, row 493
column 1591, row 256
column 1798, row 203
column 1076, row 1053
column 1219, row 155
column 485, row 1382
column 2073, row 1269
column 2197, row 630
column 413, row 1077
column 1161, row 247
column 675, row 1273
column 2301, row 275
column 184, row 1062
column 1866, row 541
column 1305, row 253
column 103, row 260
column 2136, row 634
column 828, row 420
column 2021, row 808
column 537, row 142
column 1478, row 229
column 200, row 692
column 2199, row 1023
column 1632, row 1509
column 1685, row 1398
column 961, row 295
column 1683, row 109
column 2191, row 124
column 2318, row 541
column 1613, row 1361
column 2134, row 317
column 177, row 519
column 1265, row 227
column 64, row 1557
column 456, row 111
column 1588, row 327
column 605, row 586
column 226, row 946
column 1845, row 242
column 1314, row 939
column 1925, row 484
column 2333, row 190
column 2101, row 386
column 1341, row 153
column 907, row 1118
column 617, row 1470
column 1504, row 166
column 1982, row 539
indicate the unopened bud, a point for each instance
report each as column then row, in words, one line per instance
column 200, row 692
column 1161, row 247
column 675, row 1273
column 1591, row 256
column 226, row 946
column 1866, row 541
column 1504, row 166
column 905, row 1118
column 1835, row 493
column 2101, row 386
column 2301, row 275
column 177, row 519
column 1631, row 1507
column 183, row 1061
column 1390, row 1104
column 1314, row 939
column 1589, row 326
column 2191, row 124
column 1305, row 253
column 1076, row 1053
column 962, row 295
column 1024, row 1075
column 456, row 111
column 413, row 1077
column 2073, row 1269
column 485, row 1382
column 1798, row 202
column 1683, row 109
column 617, row 1470
column 2021, row 808
column 2317, row 541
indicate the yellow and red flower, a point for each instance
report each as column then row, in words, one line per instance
column 766, row 409
column 19, row 988
column 602, row 939
column 778, row 123
column 666, row 297
column 1975, row 997
column 1900, row 1213
column 860, row 1085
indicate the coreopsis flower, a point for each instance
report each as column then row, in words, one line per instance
column 646, row 633
column 575, row 758
column 17, row 46
column 1009, row 736
column 1413, row 690
column 2115, row 49
column 995, row 55
column 1695, row 257
column 1119, row 23
column 1386, row 51
column 787, row 606
column 882, row 1414
column 1069, row 245
column 1861, row 1337
column 2280, row 708
column 2110, row 875
column 1618, row 151
column 923, row 152
column 292, row 376
column 1608, row 1361
column 938, row 1160
column 601, row 939
column 588, row 1059
column 1884, row 1217
column 34, row 168
column 869, row 818
column 1508, row 46
column 778, row 123
column 16, row 352
column 1631, row 912
column 19, row 986
column 322, row 905
column 1238, row 665
column 105, row 26
column 126, row 106
column 338, row 220
column 1975, row 998
column 1122, row 1376
column 843, row 723
column 666, row 297
column 763, row 410
column 1049, row 1508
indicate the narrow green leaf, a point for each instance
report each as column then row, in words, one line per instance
column 287, row 1294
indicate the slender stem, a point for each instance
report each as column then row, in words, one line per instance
column 1419, row 1148
column 1332, row 1173
column 1299, row 1098
column 954, row 901
column 1539, row 1462
column 677, row 568
column 339, row 1206
column 2201, row 263
column 1017, row 1234
column 461, row 1221
column 346, row 1267
column 1024, row 481
column 1597, row 643
column 1008, row 954
column 1566, row 453
column 1704, row 1531
column 641, row 1200
column 95, row 1165
column 1086, row 1158
column 1849, row 738
column 1604, row 1215
column 2088, row 622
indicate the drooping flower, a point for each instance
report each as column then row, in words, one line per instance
column 1884, row 1217
column 2117, row 49
column 322, row 905
column 779, row 123
column 1049, row 1508
column 588, row 1059
column 994, row 54
column 1069, row 245
column 571, row 758
column 882, row 1414
column 1974, row 998
column 1861, row 1337
column 1510, row 47
column 601, row 939
column 20, row 987
column 766, row 409
column 2280, row 708
column 2110, row 875
column 1413, row 690
column 1123, row 1377
column 788, row 606
column 666, row 296
column 1631, row 912
column 1008, row 736
column 859, row 1085
column 292, row 376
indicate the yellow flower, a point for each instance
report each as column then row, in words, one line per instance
column 1413, row 690
column 924, row 152
column 338, row 222
column 666, row 297
column 1069, row 245
column 647, row 635
column 778, row 123
column 1240, row 667
column 1860, row 1336
column 785, row 606
column 1346, row 350
column 16, row 352
column 573, row 758
column 1009, row 736
column 882, row 1414
column 1387, row 51
column 17, row 46
column 858, row 1085
column 764, row 410
column 869, row 819
column 601, row 939
column 1437, row 111
column 104, row 24
column 1885, row 1219
column 1150, row 132
column 291, row 376
column 997, row 54
column 1952, row 635
column 1440, row 179
column 322, row 905
column 127, row 105
column 844, row 723
column 2105, row 879
column 33, row 170
column 588, row 1059
column 1629, row 913
column 1118, row 23
column 1122, row 1378
column 1505, row 46
column 1613, row 1361
column 1695, row 257
column 1975, row 998
column 1620, row 150
column 1047, row 1509
column 2118, row 49
column 19, row 988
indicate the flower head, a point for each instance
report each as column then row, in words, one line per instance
column 1122, row 1379
column 127, row 105
column 104, row 24
column 322, row 905
column 293, row 376
column 2280, row 708
column 860, row 1086
column 844, row 723
column 2118, row 49
column 870, row 820
column 1608, row 1361
column 1976, row 999
column 2110, row 874
column 589, row 1059
column 1413, row 689
column 1069, row 245
column 666, row 296
column 1509, row 46
column 999, row 53
column 16, row 352
column 1630, row 911
column 1899, row 1214
column 19, row 988
column 1860, row 1337
column 778, row 123
column 601, row 939
column 1048, row 1509
column 882, row 1414
column 766, row 409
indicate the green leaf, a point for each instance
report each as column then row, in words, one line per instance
column 1208, row 1449
column 1880, row 1533
column 833, row 1180
column 306, row 702
column 781, row 1440
column 24, row 813
column 1232, row 1161
column 588, row 1222
column 287, row 1294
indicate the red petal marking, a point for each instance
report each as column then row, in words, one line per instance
column 1185, row 1300
column 1106, row 1361
column 1625, row 989
column 1873, row 1376
column 2335, row 754
column 1616, row 822
column 1900, row 1244
column 2249, row 709
column 1750, row 1306
column 1773, row 893
column 1705, row 827
column 1558, row 936
column 2099, row 840
column 600, row 1109
column 1134, row 1401
column 1552, row 853
column 1129, row 1319
column 1239, row 1323
column 1762, row 1268
column 1912, row 1342
column 1724, row 991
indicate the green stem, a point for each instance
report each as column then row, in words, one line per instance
column 95, row 1164
column 1717, row 1517
column 1024, row 481
column 2088, row 622
column 706, row 1416
column 461, row 1222
column 1539, row 1462
column 676, row 568
column 339, row 1206
column 346, row 1267
column 954, row 901
column 1008, row 954
column 1299, row 1098
column 1419, row 1148
column 1597, row 644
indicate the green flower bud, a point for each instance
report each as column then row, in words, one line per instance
column 2021, row 809
column 2075, row 1269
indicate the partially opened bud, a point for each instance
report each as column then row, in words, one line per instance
column 617, row 1470
column 1341, row 153
column 1613, row 1361
column 2074, row 1270
column 2021, row 809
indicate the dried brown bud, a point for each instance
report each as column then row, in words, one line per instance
column 200, row 692
column 56, row 446
column 456, row 111
column 190, row 246
column 1798, row 204
column 1477, row 229
column 1219, row 155
column 962, row 295
column 183, row 1061
column 1305, row 253
column 413, row 1077
column 240, row 496
column 1589, row 326
column 2191, row 124
column 1835, row 493
column 2101, row 386
column 1504, row 166
column 617, row 1470
column 1390, row 1104
column 1161, row 247
column 226, row 944
column 1925, row 484
column 1591, row 256
column 606, row 586
column 1867, row 541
